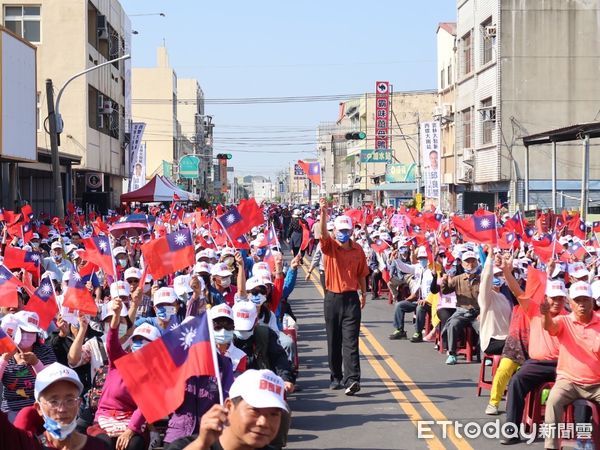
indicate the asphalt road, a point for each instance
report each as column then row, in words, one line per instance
column 402, row 384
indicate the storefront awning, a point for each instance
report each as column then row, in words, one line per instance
column 395, row 187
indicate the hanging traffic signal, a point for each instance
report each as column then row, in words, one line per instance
column 224, row 156
column 356, row 135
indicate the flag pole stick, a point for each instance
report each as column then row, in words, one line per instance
column 215, row 359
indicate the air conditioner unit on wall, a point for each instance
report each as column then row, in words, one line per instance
column 102, row 27
column 464, row 173
column 107, row 107
column 468, row 155
column 447, row 110
column 438, row 111
column 490, row 31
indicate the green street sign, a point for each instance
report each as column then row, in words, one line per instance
column 376, row 156
column 399, row 173
column 188, row 167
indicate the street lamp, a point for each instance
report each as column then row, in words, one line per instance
column 161, row 14
column 55, row 123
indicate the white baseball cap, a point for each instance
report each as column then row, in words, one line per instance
column 70, row 248
column 260, row 389
column 578, row 270
column 133, row 272
column 120, row 289
column 56, row 245
column 330, row 226
column 28, row 321
column 165, row 295
column 118, row 250
column 221, row 310
column 342, row 223
column 556, row 288
column 468, row 255
column 580, row 289
column 260, row 266
column 228, row 251
column 202, row 267
column 220, row 270
column 53, row 373
column 422, row 252
column 210, row 253
column 107, row 311
column 255, row 281
column 596, row 289
column 244, row 315
column 181, row 285
column 9, row 324
column 146, row 331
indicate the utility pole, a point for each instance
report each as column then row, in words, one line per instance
column 59, row 205
column 419, row 175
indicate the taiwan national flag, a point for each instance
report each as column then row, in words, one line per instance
column 577, row 249
column 78, row 297
column 7, row 345
column 8, row 288
column 43, row 303
column 271, row 237
column 480, row 229
column 379, row 245
column 596, row 227
column 15, row 258
column 305, row 235
column 98, row 251
column 578, row 228
column 233, row 224
column 312, row 171
column 251, row 213
column 508, row 241
column 168, row 254
column 164, row 366
column 241, row 243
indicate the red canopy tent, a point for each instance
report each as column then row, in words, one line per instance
column 158, row 189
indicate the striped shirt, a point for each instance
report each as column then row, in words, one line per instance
column 19, row 379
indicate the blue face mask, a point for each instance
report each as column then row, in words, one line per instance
column 498, row 282
column 261, row 251
column 165, row 312
column 423, row 263
column 137, row 344
column 342, row 236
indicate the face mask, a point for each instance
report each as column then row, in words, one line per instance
column 223, row 336
column 122, row 329
column 57, row 258
column 58, row 430
column 423, row 263
column 258, row 299
column 137, row 344
column 27, row 339
column 35, row 244
column 225, row 282
column 123, row 262
column 243, row 335
column 497, row 282
column 165, row 312
column 260, row 252
column 474, row 270
column 342, row 237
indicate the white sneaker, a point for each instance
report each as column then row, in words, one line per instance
column 491, row 410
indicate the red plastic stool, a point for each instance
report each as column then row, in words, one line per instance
column 439, row 341
column 427, row 323
column 534, row 411
column 469, row 346
column 483, row 383
column 568, row 417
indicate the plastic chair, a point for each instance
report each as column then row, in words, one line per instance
column 534, row 410
column 483, row 383
column 568, row 417
column 468, row 346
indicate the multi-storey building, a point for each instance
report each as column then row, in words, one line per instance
column 71, row 36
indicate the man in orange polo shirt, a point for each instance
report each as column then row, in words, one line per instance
column 578, row 369
column 345, row 273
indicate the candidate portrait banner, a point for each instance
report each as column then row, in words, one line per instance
column 430, row 152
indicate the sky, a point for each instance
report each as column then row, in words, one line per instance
column 242, row 49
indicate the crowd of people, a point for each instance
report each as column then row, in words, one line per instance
column 525, row 293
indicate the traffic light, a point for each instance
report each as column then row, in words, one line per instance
column 356, row 135
column 224, row 156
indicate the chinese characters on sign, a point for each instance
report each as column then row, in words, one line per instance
column 430, row 152
column 137, row 157
column 375, row 156
column 382, row 114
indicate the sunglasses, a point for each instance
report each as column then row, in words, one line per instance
column 259, row 290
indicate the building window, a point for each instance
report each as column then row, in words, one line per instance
column 467, row 127
column 488, row 120
column 442, row 79
column 450, row 75
column 467, row 41
column 24, row 21
column 38, row 110
column 488, row 36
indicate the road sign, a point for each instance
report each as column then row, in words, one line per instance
column 376, row 156
column 188, row 167
column 400, row 173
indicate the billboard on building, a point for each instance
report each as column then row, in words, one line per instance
column 19, row 100
column 430, row 152
column 138, row 177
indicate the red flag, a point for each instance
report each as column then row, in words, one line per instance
column 8, row 288
column 168, row 254
column 70, row 208
column 241, row 243
column 87, row 269
column 251, row 213
column 218, row 235
column 305, row 236
column 596, row 227
column 233, row 223
column 312, row 171
column 508, row 241
column 27, row 212
column 99, row 226
column 480, row 229
column 43, row 231
column 379, row 245
column 43, row 303
column 546, row 251
column 271, row 237
column 78, row 297
column 98, row 251
column 535, row 288
column 578, row 250
column 355, row 214
column 166, row 364
column 7, row 345
column 577, row 228
column 15, row 258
